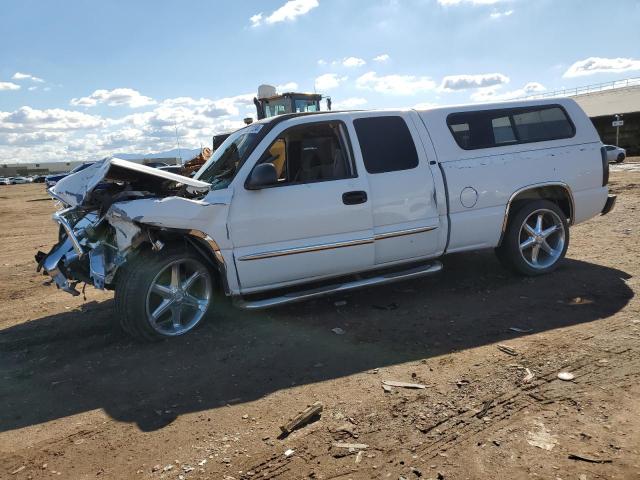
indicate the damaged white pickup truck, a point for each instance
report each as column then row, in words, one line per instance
column 301, row 205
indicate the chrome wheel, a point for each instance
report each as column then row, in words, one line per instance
column 542, row 239
column 178, row 297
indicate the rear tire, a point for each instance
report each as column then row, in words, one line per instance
column 164, row 294
column 620, row 158
column 536, row 239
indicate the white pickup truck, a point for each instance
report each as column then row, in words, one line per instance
column 302, row 205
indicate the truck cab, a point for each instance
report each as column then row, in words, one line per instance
column 269, row 103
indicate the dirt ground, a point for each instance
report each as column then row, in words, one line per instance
column 80, row 400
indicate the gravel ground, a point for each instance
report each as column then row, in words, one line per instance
column 80, row 400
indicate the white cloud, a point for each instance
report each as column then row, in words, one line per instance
column 9, row 86
column 493, row 94
column 382, row 58
column 31, row 89
column 328, row 81
column 348, row 62
column 448, row 3
column 498, row 15
column 353, row 62
column 256, row 20
column 27, row 119
column 395, row 84
column 74, row 136
column 26, row 76
column 592, row 65
column 462, row 82
column 32, row 138
column 116, row 97
column 349, row 103
column 287, row 87
column 289, row 11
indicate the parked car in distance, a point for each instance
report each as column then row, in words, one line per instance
column 19, row 180
column 615, row 154
column 302, row 205
column 51, row 180
column 38, row 179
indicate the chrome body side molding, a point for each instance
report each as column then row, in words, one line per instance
column 414, row 272
column 328, row 246
column 402, row 233
column 311, row 248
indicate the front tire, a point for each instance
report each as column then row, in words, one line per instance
column 620, row 158
column 536, row 239
column 163, row 295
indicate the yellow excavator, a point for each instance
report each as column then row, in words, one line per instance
column 269, row 103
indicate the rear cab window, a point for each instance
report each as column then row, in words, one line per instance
column 509, row 126
column 386, row 144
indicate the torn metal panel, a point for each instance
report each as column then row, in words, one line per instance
column 126, row 231
column 74, row 189
column 171, row 212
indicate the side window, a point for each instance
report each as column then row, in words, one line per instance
column 502, row 131
column 386, row 144
column 461, row 133
column 494, row 128
column 541, row 125
column 313, row 152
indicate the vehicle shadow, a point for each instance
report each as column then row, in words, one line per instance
column 74, row 362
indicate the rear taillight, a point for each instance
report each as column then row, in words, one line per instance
column 605, row 167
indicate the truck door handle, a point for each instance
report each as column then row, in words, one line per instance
column 353, row 198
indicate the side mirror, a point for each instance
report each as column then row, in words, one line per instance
column 263, row 175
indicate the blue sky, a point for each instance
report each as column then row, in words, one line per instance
column 82, row 79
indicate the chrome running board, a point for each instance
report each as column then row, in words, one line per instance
column 292, row 297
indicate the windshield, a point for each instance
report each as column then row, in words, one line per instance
column 225, row 162
column 275, row 107
column 306, row 106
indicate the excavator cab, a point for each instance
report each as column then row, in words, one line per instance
column 269, row 103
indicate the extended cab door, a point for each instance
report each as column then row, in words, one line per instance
column 409, row 213
column 315, row 221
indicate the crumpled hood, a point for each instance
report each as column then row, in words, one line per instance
column 74, row 188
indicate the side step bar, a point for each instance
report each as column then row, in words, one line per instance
column 292, row 297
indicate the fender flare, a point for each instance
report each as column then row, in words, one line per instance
column 199, row 239
column 514, row 195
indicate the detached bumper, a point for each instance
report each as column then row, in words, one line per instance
column 610, row 203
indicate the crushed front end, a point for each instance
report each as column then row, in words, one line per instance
column 86, row 251
column 95, row 233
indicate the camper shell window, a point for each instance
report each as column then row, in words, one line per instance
column 510, row 126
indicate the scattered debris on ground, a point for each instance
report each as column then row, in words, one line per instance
column 476, row 415
column 566, row 376
column 308, row 415
column 394, row 383
column 507, row 350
